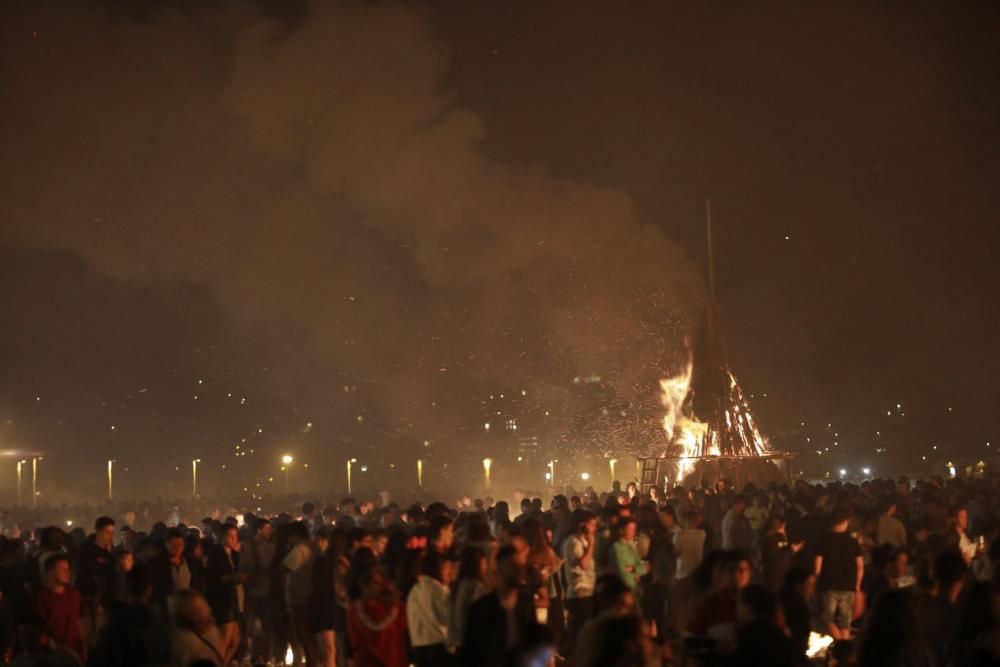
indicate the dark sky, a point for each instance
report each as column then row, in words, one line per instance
column 366, row 220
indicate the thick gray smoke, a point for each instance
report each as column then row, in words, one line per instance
column 330, row 191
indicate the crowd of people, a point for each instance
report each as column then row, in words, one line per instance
column 890, row 573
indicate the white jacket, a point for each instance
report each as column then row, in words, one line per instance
column 427, row 612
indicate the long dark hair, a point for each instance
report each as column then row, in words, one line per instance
column 470, row 566
column 364, row 566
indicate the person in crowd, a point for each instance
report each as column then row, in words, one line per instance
column 579, row 572
column 890, row 529
column 327, row 601
column 622, row 641
column 298, row 567
column 224, row 589
column 891, row 637
column 544, row 566
column 938, row 612
column 736, row 530
column 256, row 556
column 839, row 568
column 195, row 637
column 776, row 553
column 761, row 638
column 624, row 557
column 428, row 612
column 612, row 599
column 95, row 575
column 689, row 545
column 757, row 514
column 376, row 618
column 499, row 622
column 958, row 520
column 38, row 648
column 797, row 594
column 716, row 616
column 60, row 606
column 172, row 570
column 469, row 587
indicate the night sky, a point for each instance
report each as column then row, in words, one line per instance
column 233, row 230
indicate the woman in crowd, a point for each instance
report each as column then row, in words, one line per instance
column 891, row 637
column 376, row 619
column 195, row 639
column 428, row 612
column 327, row 617
column 468, row 587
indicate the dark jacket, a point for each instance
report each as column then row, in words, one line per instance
column 220, row 584
column 159, row 570
column 486, row 635
column 95, row 574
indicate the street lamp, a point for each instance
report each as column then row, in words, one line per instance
column 110, row 480
column 349, row 462
column 552, row 471
column 19, row 464
column 612, row 463
column 287, row 461
column 585, row 476
column 420, row 473
column 34, row 480
column 194, row 477
column 487, row 464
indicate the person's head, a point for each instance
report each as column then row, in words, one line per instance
column 174, row 543
column 190, row 610
column 612, row 595
column 364, row 577
column 898, row 564
column 586, row 522
column 52, row 539
column 626, row 529
column 758, row 603
column 126, row 561
column 732, row 571
column 949, row 567
column 442, row 532
column 432, row 565
column 775, row 524
column 104, row 532
column 298, row 531
column 622, row 640
column 231, row 537
column 472, row 564
column 840, row 518
column 264, row 530
column 887, row 507
column 57, row 570
column 520, row 545
column 509, row 569
column 740, row 503
column 668, row 517
column 360, row 538
column 960, row 517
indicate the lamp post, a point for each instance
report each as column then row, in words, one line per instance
column 552, row 472
column 612, row 462
column 286, row 461
column 349, row 463
column 19, row 464
column 194, row 477
column 487, row 464
column 110, row 480
column 34, row 480
column 420, row 473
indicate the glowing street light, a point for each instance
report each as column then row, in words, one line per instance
column 349, row 463
column 286, row 460
column 420, row 473
column 612, row 463
column 585, row 476
column 19, row 464
column 843, row 472
column 487, row 464
column 34, row 480
column 110, row 480
column 866, row 471
column 552, row 471
column 194, row 477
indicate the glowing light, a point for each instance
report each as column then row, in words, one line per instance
column 289, row 656
column 866, row 471
column 287, row 459
column 843, row 472
column 818, row 644
column 585, row 476
column 487, row 465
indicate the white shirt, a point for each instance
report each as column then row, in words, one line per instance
column 690, row 546
column 299, row 562
column 427, row 612
column 579, row 581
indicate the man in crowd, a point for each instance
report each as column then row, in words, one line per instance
column 839, row 567
column 59, row 605
column 255, row 565
column 736, row 530
column 580, row 572
column 890, row 530
column 172, row 570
